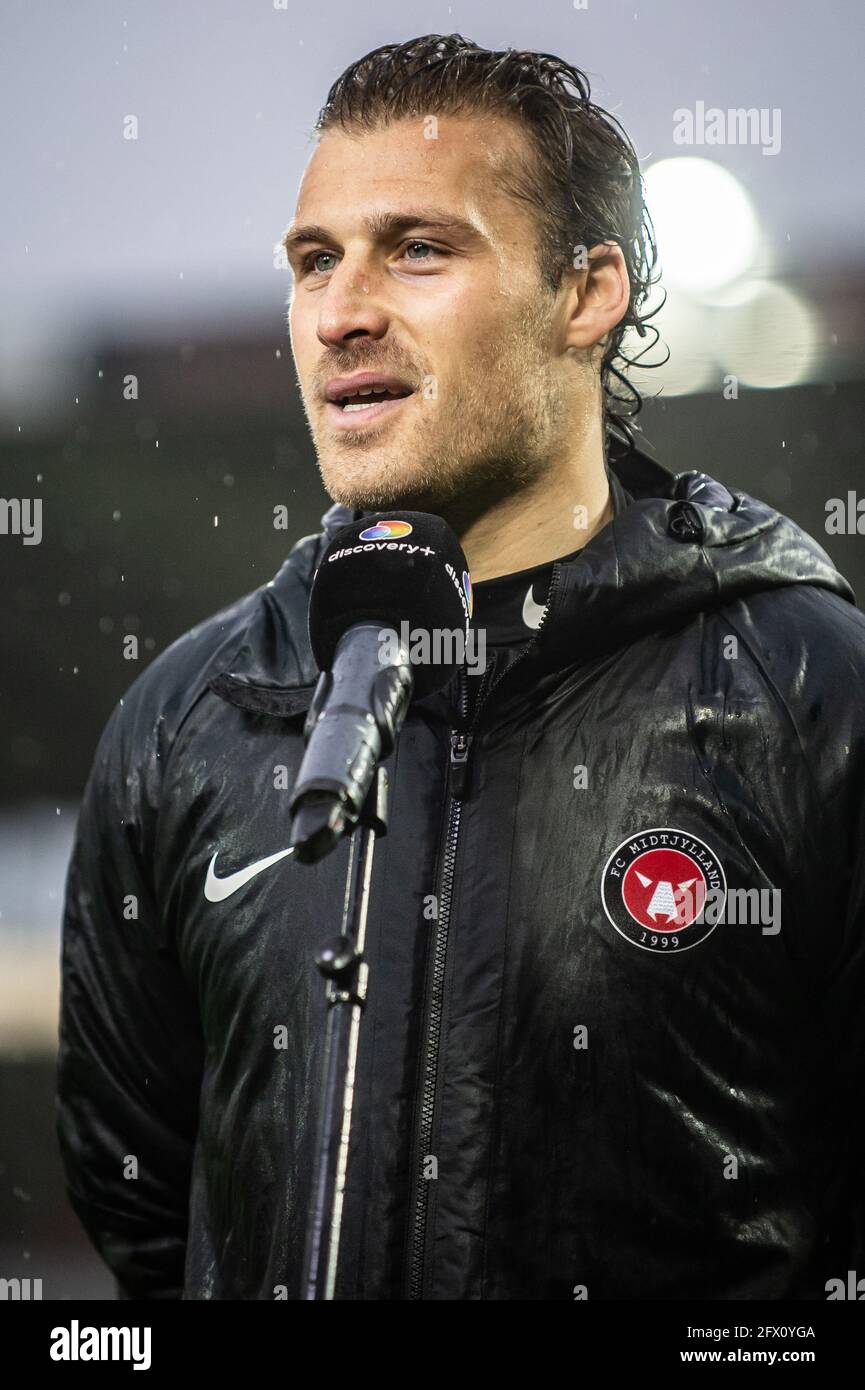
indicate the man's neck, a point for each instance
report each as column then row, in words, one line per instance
column 556, row 516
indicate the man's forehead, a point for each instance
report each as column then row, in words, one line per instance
column 454, row 164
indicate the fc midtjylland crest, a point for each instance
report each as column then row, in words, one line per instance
column 654, row 886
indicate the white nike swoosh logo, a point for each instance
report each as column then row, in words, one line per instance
column 532, row 612
column 216, row 890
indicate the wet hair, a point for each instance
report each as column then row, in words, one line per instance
column 584, row 184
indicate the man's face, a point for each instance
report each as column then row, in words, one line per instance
column 425, row 343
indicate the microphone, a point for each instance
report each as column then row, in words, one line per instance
column 389, row 616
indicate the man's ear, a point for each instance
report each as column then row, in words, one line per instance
column 598, row 293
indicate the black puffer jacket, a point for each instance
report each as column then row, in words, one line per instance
column 566, row 1087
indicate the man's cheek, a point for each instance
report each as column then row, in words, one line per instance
column 301, row 326
column 304, row 355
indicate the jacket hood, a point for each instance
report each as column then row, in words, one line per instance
column 684, row 543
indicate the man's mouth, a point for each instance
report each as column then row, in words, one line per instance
column 358, row 399
column 367, row 394
column 366, row 389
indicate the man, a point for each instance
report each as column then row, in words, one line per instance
column 614, row 1044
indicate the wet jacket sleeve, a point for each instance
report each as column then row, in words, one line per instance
column 130, row 1053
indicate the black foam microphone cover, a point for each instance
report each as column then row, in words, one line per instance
column 394, row 568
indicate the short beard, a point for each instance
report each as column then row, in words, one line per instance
column 500, row 446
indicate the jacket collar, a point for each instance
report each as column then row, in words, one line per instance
column 684, row 542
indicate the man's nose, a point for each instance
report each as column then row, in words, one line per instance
column 351, row 307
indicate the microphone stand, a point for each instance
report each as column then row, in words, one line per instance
column 341, row 790
column 341, row 963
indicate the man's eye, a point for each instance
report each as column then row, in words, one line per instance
column 312, row 261
column 427, row 251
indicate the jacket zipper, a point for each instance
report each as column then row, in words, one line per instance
column 458, row 767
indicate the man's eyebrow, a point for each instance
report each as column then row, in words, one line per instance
column 380, row 224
